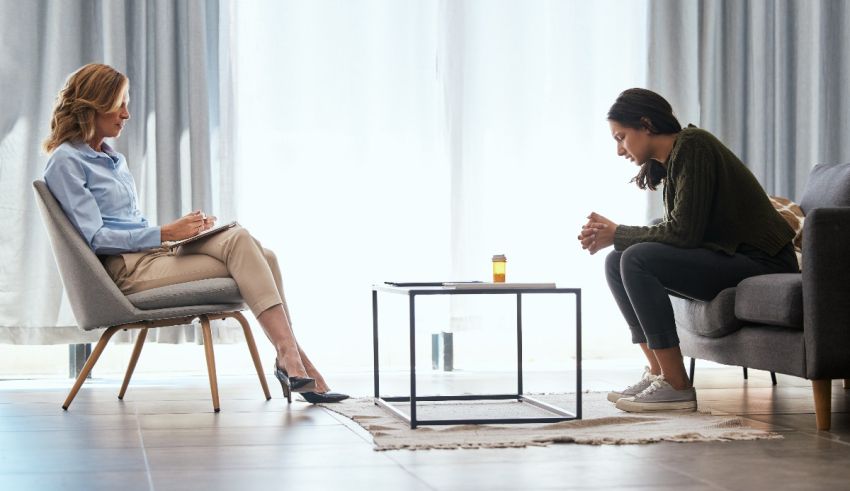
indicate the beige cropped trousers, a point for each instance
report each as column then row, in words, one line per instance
column 233, row 253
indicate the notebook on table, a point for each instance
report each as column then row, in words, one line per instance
column 468, row 284
column 497, row 286
column 410, row 284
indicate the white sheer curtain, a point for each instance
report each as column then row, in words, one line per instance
column 177, row 143
column 536, row 156
column 412, row 140
column 343, row 173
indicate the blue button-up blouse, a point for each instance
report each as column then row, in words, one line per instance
column 98, row 194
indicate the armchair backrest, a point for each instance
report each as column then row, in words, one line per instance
column 828, row 186
column 95, row 299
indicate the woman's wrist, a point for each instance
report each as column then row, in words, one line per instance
column 165, row 234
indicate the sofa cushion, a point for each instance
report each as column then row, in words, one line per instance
column 211, row 291
column 713, row 319
column 828, row 186
column 772, row 299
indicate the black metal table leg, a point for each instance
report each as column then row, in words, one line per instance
column 578, row 354
column 375, row 341
column 412, row 361
column 519, row 390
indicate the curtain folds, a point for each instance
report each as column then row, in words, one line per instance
column 178, row 149
column 768, row 78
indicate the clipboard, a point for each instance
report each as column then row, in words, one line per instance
column 204, row 234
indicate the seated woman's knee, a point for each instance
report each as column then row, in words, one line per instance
column 271, row 257
column 240, row 234
column 237, row 238
column 641, row 255
column 612, row 262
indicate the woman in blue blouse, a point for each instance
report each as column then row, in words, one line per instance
column 98, row 194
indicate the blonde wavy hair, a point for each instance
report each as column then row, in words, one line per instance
column 93, row 89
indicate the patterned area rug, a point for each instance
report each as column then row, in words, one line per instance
column 602, row 424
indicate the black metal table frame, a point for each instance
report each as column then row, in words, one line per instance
column 412, row 293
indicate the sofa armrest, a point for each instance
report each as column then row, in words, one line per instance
column 826, row 292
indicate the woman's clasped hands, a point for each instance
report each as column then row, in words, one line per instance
column 597, row 233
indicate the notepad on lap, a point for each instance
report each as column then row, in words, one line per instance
column 205, row 233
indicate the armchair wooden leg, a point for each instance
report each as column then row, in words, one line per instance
column 823, row 403
column 101, row 345
column 208, row 350
column 137, row 350
column 847, row 383
column 255, row 356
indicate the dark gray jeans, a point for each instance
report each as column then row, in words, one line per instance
column 642, row 276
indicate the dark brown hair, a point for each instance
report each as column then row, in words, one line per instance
column 644, row 109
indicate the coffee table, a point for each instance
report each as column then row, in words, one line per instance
column 412, row 292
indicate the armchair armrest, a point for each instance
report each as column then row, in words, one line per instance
column 826, row 292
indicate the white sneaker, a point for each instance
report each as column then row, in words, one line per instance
column 635, row 389
column 660, row 396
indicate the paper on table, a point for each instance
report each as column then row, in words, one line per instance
column 426, row 283
column 476, row 286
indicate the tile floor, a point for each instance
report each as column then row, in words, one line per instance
column 164, row 436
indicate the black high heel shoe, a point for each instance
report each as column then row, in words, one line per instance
column 292, row 384
column 323, row 397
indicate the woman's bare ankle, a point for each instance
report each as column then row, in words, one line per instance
column 292, row 364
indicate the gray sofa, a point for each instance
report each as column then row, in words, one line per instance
column 794, row 324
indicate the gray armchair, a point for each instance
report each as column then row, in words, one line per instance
column 98, row 303
column 795, row 324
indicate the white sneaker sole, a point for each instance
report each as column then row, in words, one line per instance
column 616, row 396
column 629, row 405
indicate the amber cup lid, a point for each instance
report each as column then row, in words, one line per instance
column 499, row 257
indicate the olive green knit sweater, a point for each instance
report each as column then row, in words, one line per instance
column 711, row 200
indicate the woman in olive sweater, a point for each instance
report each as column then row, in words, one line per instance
column 719, row 228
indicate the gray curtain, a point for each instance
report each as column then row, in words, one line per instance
column 178, row 143
column 769, row 78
